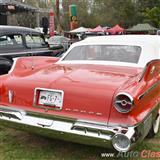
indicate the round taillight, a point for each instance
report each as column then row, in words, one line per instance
column 123, row 102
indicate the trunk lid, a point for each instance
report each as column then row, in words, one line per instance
column 88, row 89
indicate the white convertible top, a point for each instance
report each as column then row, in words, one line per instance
column 153, row 39
column 150, row 45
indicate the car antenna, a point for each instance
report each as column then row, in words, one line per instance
column 32, row 64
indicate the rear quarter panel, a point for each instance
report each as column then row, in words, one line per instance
column 145, row 89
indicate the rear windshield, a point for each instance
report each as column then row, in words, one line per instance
column 116, row 53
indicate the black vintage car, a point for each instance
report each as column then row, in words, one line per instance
column 18, row 41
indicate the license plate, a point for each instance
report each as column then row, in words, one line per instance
column 51, row 98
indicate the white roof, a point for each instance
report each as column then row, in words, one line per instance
column 121, row 39
column 150, row 45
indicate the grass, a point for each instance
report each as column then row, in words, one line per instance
column 19, row 145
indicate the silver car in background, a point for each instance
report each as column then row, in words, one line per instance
column 59, row 41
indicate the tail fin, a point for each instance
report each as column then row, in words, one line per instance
column 151, row 71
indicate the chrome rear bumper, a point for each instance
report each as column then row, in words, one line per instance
column 81, row 131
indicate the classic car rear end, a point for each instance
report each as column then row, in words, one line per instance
column 87, row 97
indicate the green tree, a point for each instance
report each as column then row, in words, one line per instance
column 91, row 13
column 152, row 16
column 112, row 12
column 84, row 18
column 148, row 11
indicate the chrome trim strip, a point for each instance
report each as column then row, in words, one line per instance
column 12, row 114
column 10, row 96
column 32, row 52
column 91, row 125
column 98, row 62
column 148, row 90
column 34, row 114
column 14, row 64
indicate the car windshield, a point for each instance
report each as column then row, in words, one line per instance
column 117, row 53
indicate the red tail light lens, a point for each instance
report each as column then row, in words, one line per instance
column 123, row 102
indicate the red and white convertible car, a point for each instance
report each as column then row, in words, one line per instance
column 104, row 91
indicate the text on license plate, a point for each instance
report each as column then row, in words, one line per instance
column 51, row 98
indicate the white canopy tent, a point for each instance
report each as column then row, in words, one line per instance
column 79, row 30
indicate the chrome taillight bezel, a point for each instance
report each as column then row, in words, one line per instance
column 123, row 103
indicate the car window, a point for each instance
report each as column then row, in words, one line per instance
column 11, row 41
column 18, row 39
column 58, row 39
column 118, row 53
column 34, row 41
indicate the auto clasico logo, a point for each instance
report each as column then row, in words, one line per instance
column 146, row 154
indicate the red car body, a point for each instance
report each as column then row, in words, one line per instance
column 98, row 104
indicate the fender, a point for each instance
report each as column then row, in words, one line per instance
column 145, row 91
column 147, row 78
